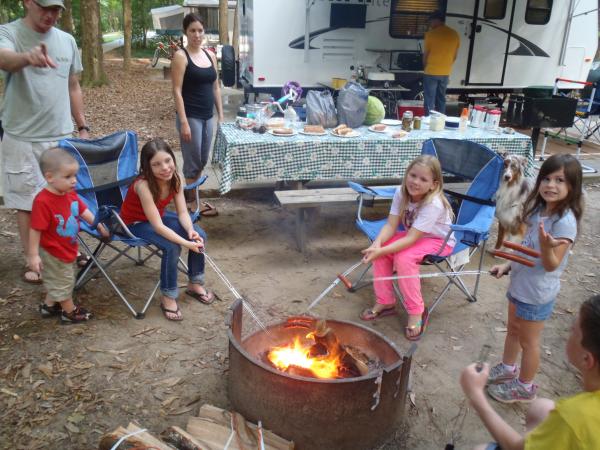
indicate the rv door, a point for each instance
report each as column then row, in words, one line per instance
column 490, row 30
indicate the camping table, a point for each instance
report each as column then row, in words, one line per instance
column 245, row 156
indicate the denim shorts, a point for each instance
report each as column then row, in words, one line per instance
column 534, row 313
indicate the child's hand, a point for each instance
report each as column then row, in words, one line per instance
column 473, row 382
column 195, row 246
column 500, row 270
column 546, row 240
column 35, row 263
column 193, row 235
column 371, row 253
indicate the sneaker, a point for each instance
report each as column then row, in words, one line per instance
column 512, row 391
column 78, row 315
column 498, row 374
column 49, row 311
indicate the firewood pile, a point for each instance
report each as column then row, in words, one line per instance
column 213, row 429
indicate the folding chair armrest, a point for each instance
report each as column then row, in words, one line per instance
column 196, row 183
column 480, row 224
column 386, row 192
column 124, row 227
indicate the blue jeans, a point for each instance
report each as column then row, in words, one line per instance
column 434, row 93
column 171, row 252
column 527, row 311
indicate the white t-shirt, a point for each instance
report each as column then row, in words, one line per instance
column 431, row 218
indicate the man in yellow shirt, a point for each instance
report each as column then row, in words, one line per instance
column 571, row 423
column 441, row 48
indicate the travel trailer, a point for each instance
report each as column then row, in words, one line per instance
column 505, row 44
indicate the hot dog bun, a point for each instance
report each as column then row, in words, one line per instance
column 283, row 131
column 379, row 127
column 314, row 129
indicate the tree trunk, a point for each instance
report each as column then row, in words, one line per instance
column 236, row 37
column 127, row 34
column 66, row 19
column 91, row 47
column 223, row 22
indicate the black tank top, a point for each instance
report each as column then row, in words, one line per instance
column 197, row 89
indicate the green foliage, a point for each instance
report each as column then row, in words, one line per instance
column 142, row 20
column 11, row 10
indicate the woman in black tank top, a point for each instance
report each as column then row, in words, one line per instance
column 196, row 89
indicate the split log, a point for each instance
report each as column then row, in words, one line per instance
column 142, row 440
column 213, row 428
column 182, row 440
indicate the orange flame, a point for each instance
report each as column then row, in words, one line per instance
column 297, row 354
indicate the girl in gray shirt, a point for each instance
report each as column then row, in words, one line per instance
column 552, row 213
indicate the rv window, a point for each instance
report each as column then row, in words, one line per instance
column 410, row 18
column 348, row 16
column 538, row 12
column 494, row 9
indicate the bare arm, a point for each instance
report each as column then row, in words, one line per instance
column 553, row 250
column 76, row 99
column 33, row 253
column 11, row 61
column 89, row 218
column 178, row 65
column 472, row 383
column 184, row 216
column 217, row 90
column 389, row 229
column 153, row 216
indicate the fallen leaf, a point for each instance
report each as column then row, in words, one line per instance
column 72, row 428
column 169, row 400
column 16, row 337
column 181, row 411
column 46, row 369
column 7, row 392
column 457, row 347
column 37, row 384
column 500, row 329
column 75, row 417
column 411, row 397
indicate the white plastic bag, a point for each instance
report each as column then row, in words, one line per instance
column 320, row 109
column 352, row 104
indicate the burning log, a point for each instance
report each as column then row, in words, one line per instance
column 326, row 357
column 181, row 439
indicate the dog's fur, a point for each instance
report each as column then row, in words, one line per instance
column 510, row 197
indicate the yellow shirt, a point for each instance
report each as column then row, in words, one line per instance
column 441, row 45
column 573, row 425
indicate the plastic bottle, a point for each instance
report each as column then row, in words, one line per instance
column 290, row 117
column 464, row 118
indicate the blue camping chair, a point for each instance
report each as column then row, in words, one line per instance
column 107, row 167
column 480, row 169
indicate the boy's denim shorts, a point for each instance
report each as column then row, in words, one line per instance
column 534, row 313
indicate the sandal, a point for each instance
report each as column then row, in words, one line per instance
column 36, row 279
column 421, row 325
column 82, row 260
column 207, row 298
column 78, row 315
column 166, row 311
column 208, row 210
column 372, row 314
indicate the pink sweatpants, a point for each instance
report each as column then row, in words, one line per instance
column 405, row 262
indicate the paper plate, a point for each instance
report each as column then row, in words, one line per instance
column 294, row 133
column 391, row 122
column 377, row 131
column 349, row 135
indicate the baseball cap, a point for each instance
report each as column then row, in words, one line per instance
column 51, row 3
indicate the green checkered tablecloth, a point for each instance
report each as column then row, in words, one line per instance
column 245, row 156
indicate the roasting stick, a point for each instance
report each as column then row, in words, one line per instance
column 245, row 303
column 340, row 277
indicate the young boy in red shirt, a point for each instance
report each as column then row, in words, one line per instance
column 53, row 235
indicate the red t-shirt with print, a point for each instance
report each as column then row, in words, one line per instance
column 57, row 218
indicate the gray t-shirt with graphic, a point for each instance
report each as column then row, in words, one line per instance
column 36, row 104
column 534, row 285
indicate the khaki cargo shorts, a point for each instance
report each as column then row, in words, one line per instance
column 58, row 276
column 21, row 175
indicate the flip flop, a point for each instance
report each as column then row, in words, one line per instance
column 167, row 311
column 206, row 298
column 37, row 280
column 371, row 314
column 208, row 210
column 421, row 324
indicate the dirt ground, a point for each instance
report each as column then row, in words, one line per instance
column 62, row 387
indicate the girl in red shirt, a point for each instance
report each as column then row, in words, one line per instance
column 143, row 211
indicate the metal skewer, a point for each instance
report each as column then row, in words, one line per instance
column 340, row 277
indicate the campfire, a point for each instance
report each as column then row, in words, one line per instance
column 319, row 354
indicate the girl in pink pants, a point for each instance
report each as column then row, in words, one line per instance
column 421, row 209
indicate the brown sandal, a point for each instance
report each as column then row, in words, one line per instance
column 207, row 298
column 372, row 314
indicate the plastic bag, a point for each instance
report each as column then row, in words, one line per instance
column 352, row 104
column 320, row 109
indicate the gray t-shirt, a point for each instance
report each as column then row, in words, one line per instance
column 534, row 285
column 36, row 104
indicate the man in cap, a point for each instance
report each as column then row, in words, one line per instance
column 41, row 65
column 441, row 48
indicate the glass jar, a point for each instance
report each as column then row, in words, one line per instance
column 417, row 123
column 407, row 119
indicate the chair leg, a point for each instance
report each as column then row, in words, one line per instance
column 359, row 284
column 481, row 255
column 142, row 313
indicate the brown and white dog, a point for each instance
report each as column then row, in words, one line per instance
column 510, row 197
